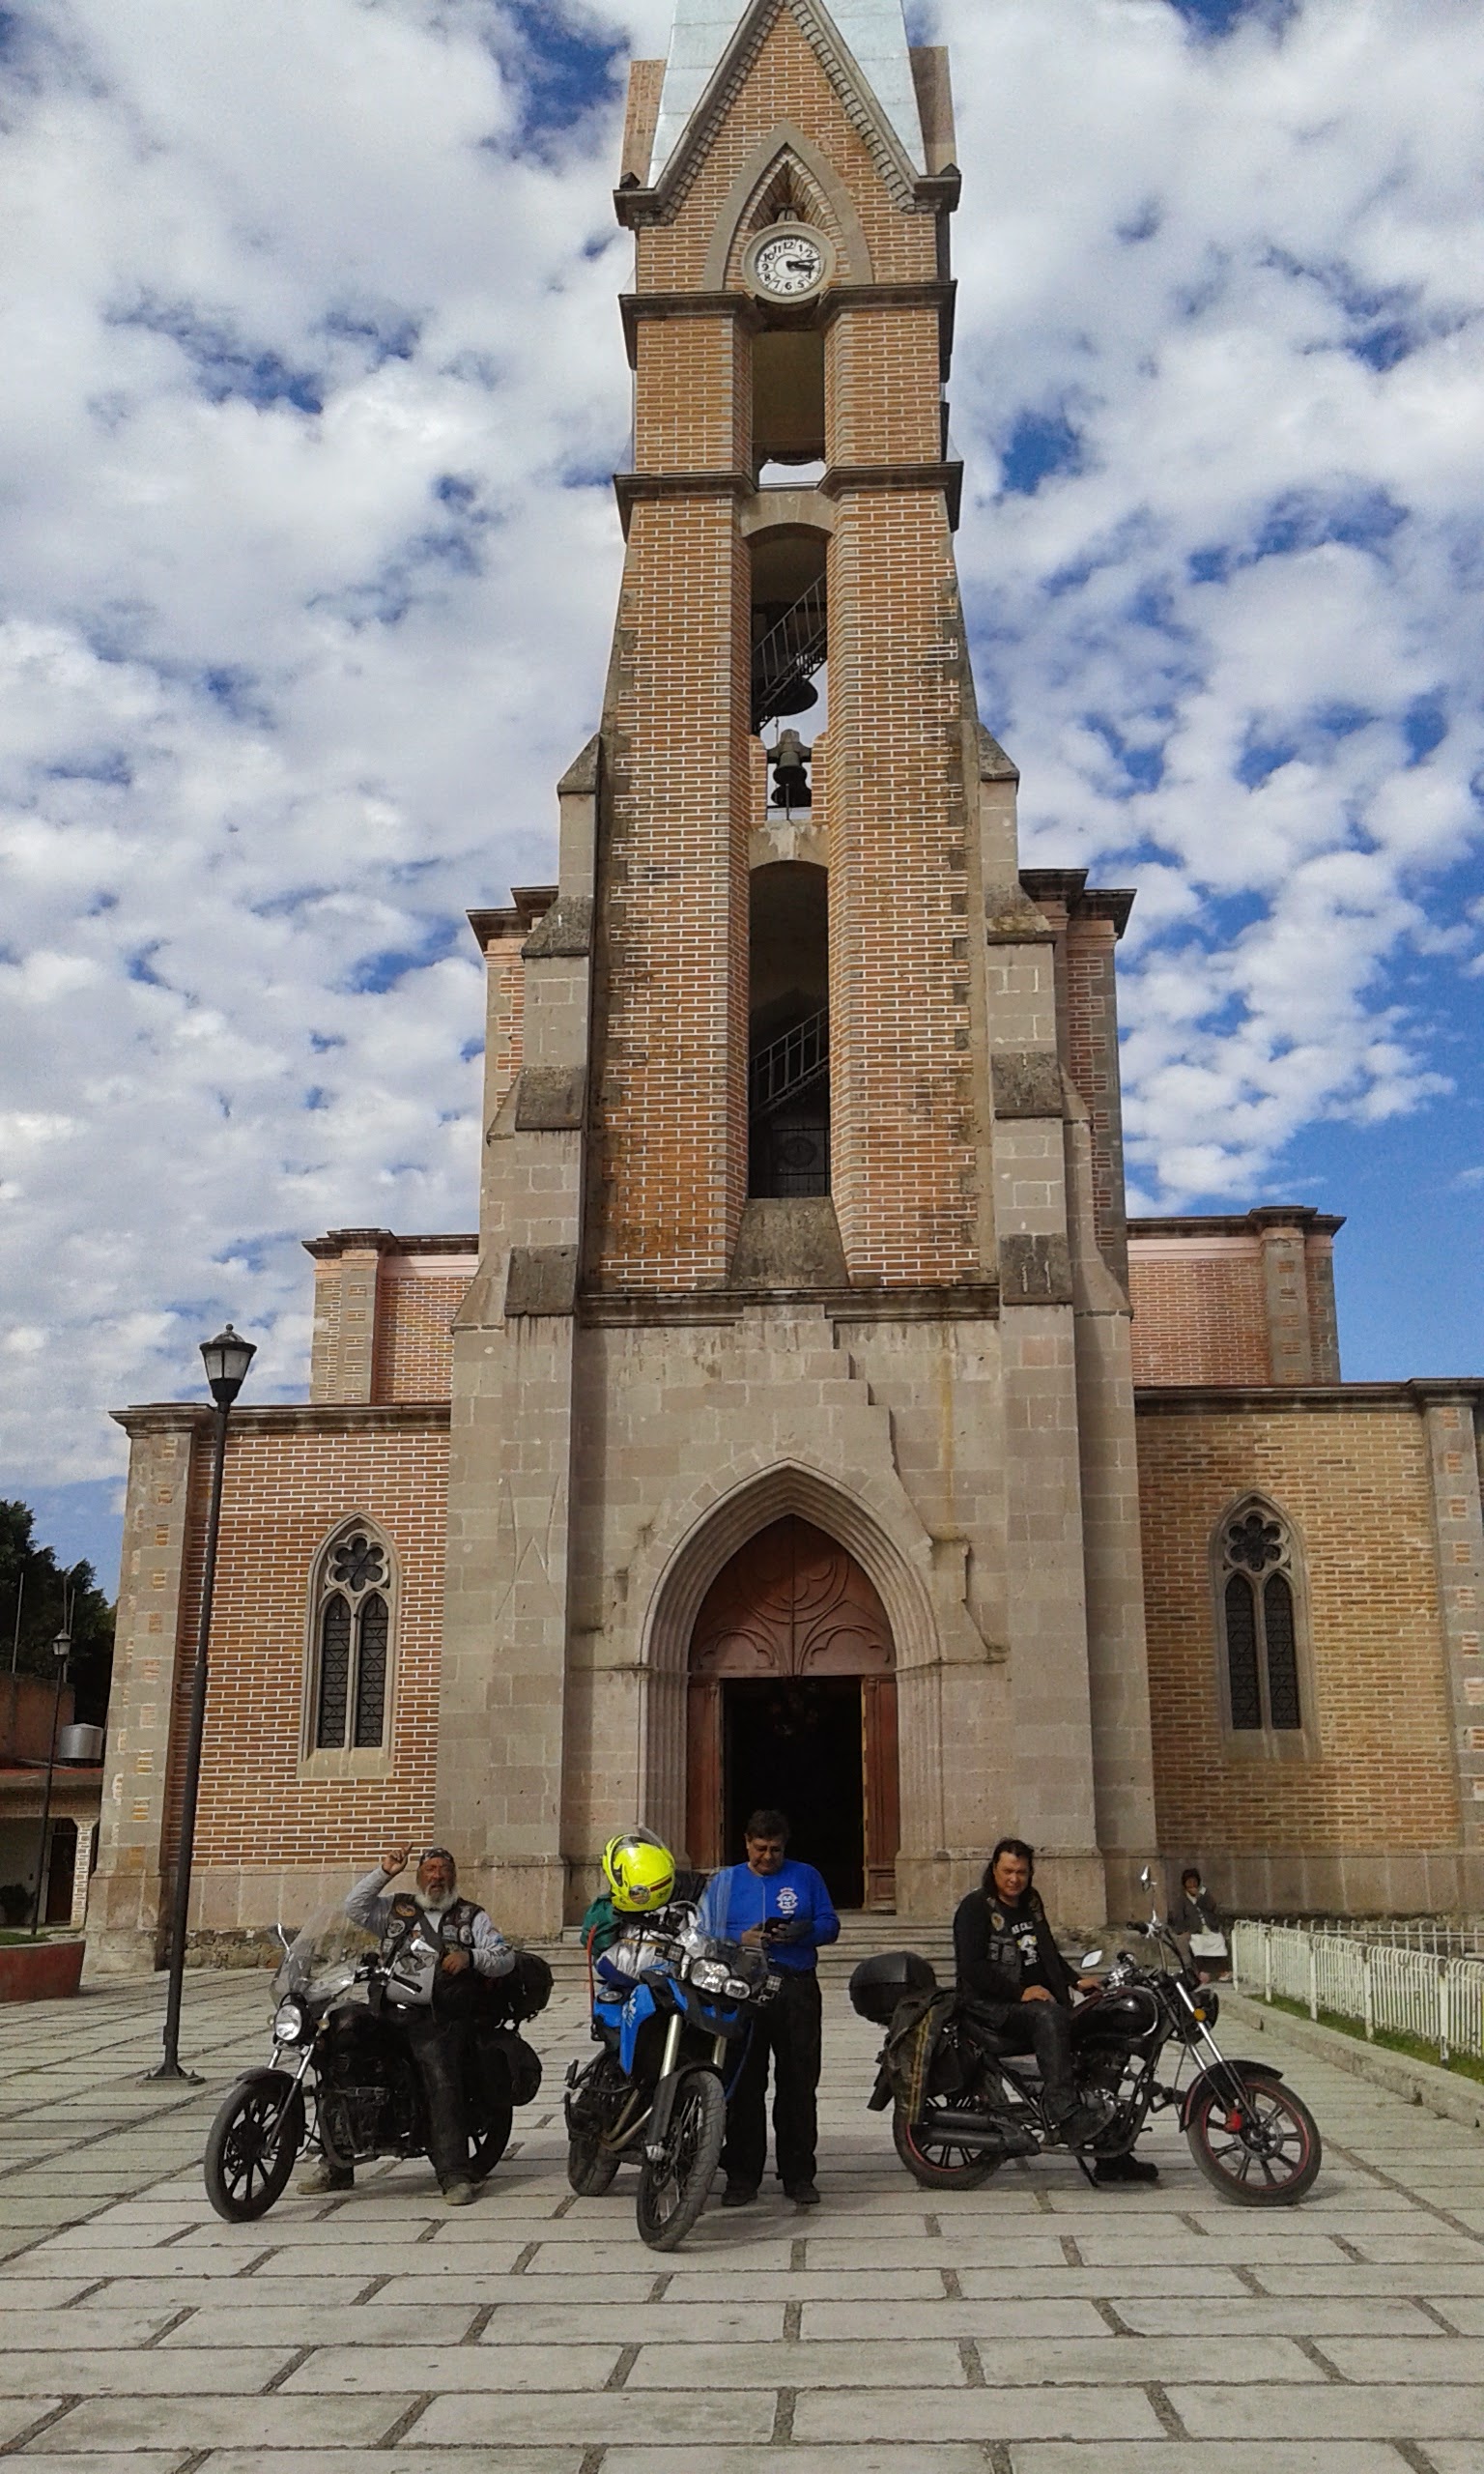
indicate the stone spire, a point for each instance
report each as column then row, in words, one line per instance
column 863, row 44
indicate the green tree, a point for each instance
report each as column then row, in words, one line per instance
column 37, row 1598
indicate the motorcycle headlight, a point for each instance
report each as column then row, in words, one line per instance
column 289, row 2023
column 708, row 1976
column 736, row 1990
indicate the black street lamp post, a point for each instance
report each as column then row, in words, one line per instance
column 226, row 1359
column 61, row 1651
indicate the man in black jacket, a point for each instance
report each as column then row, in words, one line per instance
column 1010, row 1969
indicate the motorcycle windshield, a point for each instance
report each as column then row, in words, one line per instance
column 323, row 1955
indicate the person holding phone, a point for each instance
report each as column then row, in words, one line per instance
column 783, row 1907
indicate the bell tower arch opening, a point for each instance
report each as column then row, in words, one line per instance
column 788, row 1032
column 792, row 1700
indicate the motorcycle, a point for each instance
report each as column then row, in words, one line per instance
column 971, row 2103
column 670, row 2010
column 342, row 2083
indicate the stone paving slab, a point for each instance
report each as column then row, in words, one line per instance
column 534, row 2333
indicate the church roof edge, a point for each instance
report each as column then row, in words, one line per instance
column 864, row 41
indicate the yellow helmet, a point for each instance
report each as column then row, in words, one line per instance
column 639, row 1871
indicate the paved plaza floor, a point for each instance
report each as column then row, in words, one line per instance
column 1033, row 2327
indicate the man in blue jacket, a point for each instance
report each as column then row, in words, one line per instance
column 785, row 1909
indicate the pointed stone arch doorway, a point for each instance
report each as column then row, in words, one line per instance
column 792, row 1700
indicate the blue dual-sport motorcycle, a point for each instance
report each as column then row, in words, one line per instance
column 673, row 2012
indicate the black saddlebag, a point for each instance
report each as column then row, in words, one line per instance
column 504, row 2049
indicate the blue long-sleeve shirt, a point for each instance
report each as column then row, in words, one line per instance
column 737, row 1898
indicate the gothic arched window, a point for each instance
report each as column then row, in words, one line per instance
column 1266, row 1693
column 351, row 1636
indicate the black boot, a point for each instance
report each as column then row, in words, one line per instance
column 1125, row 2169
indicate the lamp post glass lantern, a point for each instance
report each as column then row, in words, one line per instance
column 226, row 1359
column 61, row 1651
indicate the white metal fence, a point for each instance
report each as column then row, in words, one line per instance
column 1387, row 1985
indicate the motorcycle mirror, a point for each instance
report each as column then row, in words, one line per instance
column 1092, row 1958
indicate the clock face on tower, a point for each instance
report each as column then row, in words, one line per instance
column 788, row 262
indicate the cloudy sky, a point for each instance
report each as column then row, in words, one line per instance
column 314, row 382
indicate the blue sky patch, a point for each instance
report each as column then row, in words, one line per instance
column 222, row 364
column 374, row 973
column 559, row 68
column 1424, row 727
column 1040, row 443
column 1301, row 519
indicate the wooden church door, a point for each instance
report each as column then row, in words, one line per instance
column 792, row 1700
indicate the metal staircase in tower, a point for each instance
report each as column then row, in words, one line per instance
column 787, row 656
column 788, row 1065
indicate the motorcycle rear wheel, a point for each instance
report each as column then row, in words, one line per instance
column 591, row 2168
column 673, row 2193
column 488, row 2135
column 1265, row 2156
column 252, row 2143
column 938, row 2163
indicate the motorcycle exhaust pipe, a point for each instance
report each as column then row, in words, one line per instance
column 974, row 2130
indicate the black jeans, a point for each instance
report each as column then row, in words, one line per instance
column 1043, row 2029
column 438, row 2049
column 790, row 2030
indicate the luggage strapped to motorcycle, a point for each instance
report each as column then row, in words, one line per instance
column 912, row 2039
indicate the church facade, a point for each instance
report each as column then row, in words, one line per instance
column 805, row 1422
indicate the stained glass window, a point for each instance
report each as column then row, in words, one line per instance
column 1282, row 1653
column 335, row 1672
column 1259, row 1605
column 1241, row 1651
column 371, row 1670
column 353, row 1644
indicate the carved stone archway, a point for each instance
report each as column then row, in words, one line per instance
column 793, row 1605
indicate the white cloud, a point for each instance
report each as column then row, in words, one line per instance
column 282, row 690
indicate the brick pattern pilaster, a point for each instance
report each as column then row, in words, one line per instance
column 1453, row 1466
column 671, row 1088
column 1093, row 1062
column 903, row 1098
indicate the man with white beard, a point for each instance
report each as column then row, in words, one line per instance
column 434, row 2020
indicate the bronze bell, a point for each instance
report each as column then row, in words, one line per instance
column 790, row 780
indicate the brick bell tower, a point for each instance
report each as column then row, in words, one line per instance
column 793, row 1389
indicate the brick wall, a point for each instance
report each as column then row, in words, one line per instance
column 416, row 1308
column 1353, row 1481
column 1198, row 1314
column 1248, row 1298
column 1090, row 1007
column 291, row 1476
column 672, row 1135
column 906, row 1171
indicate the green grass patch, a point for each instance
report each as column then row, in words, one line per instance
column 1393, row 2041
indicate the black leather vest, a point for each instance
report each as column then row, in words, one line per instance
column 453, row 1930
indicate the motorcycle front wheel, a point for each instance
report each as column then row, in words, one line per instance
column 252, row 2144
column 590, row 2167
column 934, row 2159
column 673, row 2192
column 1264, row 2153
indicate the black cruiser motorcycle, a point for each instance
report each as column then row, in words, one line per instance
column 672, row 2011
column 342, row 2082
column 961, row 2104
